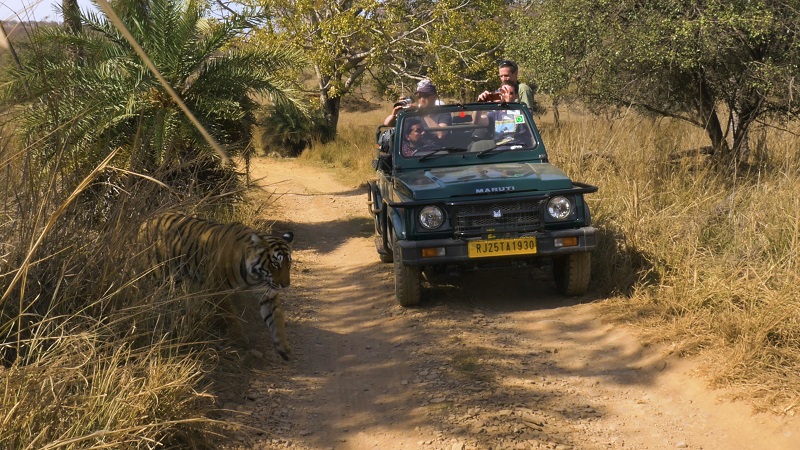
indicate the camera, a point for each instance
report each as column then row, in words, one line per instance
column 405, row 102
column 494, row 97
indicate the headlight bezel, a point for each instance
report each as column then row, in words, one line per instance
column 431, row 217
column 560, row 208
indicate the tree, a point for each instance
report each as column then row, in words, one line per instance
column 720, row 65
column 552, row 55
column 109, row 99
column 454, row 42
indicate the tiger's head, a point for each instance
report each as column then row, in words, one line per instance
column 274, row 255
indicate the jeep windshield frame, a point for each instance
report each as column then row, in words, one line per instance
column 466, row 134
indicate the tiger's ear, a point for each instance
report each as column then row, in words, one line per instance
column 254, row 239
column 288, row 236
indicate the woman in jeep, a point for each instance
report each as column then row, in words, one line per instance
column 415, row 139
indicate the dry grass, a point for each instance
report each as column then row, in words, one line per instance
column 697, row 255
column 703, row 257
column 92, row 354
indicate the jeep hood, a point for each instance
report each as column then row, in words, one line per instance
column 484, row 179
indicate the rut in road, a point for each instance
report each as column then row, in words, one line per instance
column 490, row 360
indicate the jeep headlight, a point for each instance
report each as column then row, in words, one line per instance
column 431, row 217
column 560, row 207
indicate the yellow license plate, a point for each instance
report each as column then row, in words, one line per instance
column 502, row 247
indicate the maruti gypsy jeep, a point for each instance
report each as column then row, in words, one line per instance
column 477, row 192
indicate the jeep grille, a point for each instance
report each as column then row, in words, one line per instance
column 498, row 217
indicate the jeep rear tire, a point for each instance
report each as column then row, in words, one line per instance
column 572, row 273
column 407, row 279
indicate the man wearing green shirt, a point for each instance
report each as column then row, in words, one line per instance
column 508, row 72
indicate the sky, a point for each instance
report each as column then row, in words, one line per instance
column 34, row 10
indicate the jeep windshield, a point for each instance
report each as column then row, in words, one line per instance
column 481, row 129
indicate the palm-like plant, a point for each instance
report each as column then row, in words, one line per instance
column 106, row 97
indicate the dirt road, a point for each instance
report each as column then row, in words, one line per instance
column 488, row 361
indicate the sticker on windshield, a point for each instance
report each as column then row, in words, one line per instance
column 506, row 122
column 504, row 125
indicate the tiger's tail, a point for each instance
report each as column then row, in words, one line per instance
column 272, row 313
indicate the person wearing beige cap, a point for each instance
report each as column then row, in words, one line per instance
column 427, row 98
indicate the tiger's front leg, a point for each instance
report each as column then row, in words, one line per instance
column 272, row 314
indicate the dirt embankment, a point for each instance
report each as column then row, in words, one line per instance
column 488, row 361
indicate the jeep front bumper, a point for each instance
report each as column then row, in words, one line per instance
column 456, row 251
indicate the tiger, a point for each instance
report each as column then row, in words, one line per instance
column 229, row 256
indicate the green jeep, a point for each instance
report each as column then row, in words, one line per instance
column 474, row 189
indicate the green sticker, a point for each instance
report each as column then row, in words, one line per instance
column 520, row 119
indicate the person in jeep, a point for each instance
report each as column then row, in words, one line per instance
column 508, row 72
column 427, row 98
column 504, row 123
column 414, row 140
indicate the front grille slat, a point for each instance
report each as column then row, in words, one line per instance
column 497, row 217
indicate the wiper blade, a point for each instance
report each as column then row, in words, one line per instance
column 509, row 143
column 443, row 149
column 491, row 150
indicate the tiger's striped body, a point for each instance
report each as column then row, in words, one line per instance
column 225, row 257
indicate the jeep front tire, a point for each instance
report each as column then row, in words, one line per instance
column 572, row 273
column 407, row 279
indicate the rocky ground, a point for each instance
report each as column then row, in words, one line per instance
column 487, row 361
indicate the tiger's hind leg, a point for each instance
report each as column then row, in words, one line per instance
column 272, row 314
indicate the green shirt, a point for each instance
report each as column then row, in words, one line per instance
column 525, row 95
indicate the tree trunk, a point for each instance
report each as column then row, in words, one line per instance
column 72, row 22
column 710, row 119
column 556, row 113
column 331, row 108
column 742, row 116
column 72, row 15
column 713, row 129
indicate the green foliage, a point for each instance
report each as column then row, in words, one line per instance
column 288, row 131
column 396, row 42
column 106, row 98
column 552, row 54
column 718, row 65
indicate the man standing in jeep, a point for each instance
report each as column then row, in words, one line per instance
column 427, row 98
column 508, row 72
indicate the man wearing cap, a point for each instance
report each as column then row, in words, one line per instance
column 508, row 72
column 427, row 98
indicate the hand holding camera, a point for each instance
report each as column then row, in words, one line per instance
column 487, row 96
column 404, row 102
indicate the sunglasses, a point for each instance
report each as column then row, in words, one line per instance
column 508, row 63
column 422, row 95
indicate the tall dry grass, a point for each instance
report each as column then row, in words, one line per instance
column 698, row 255
column 93, row 354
